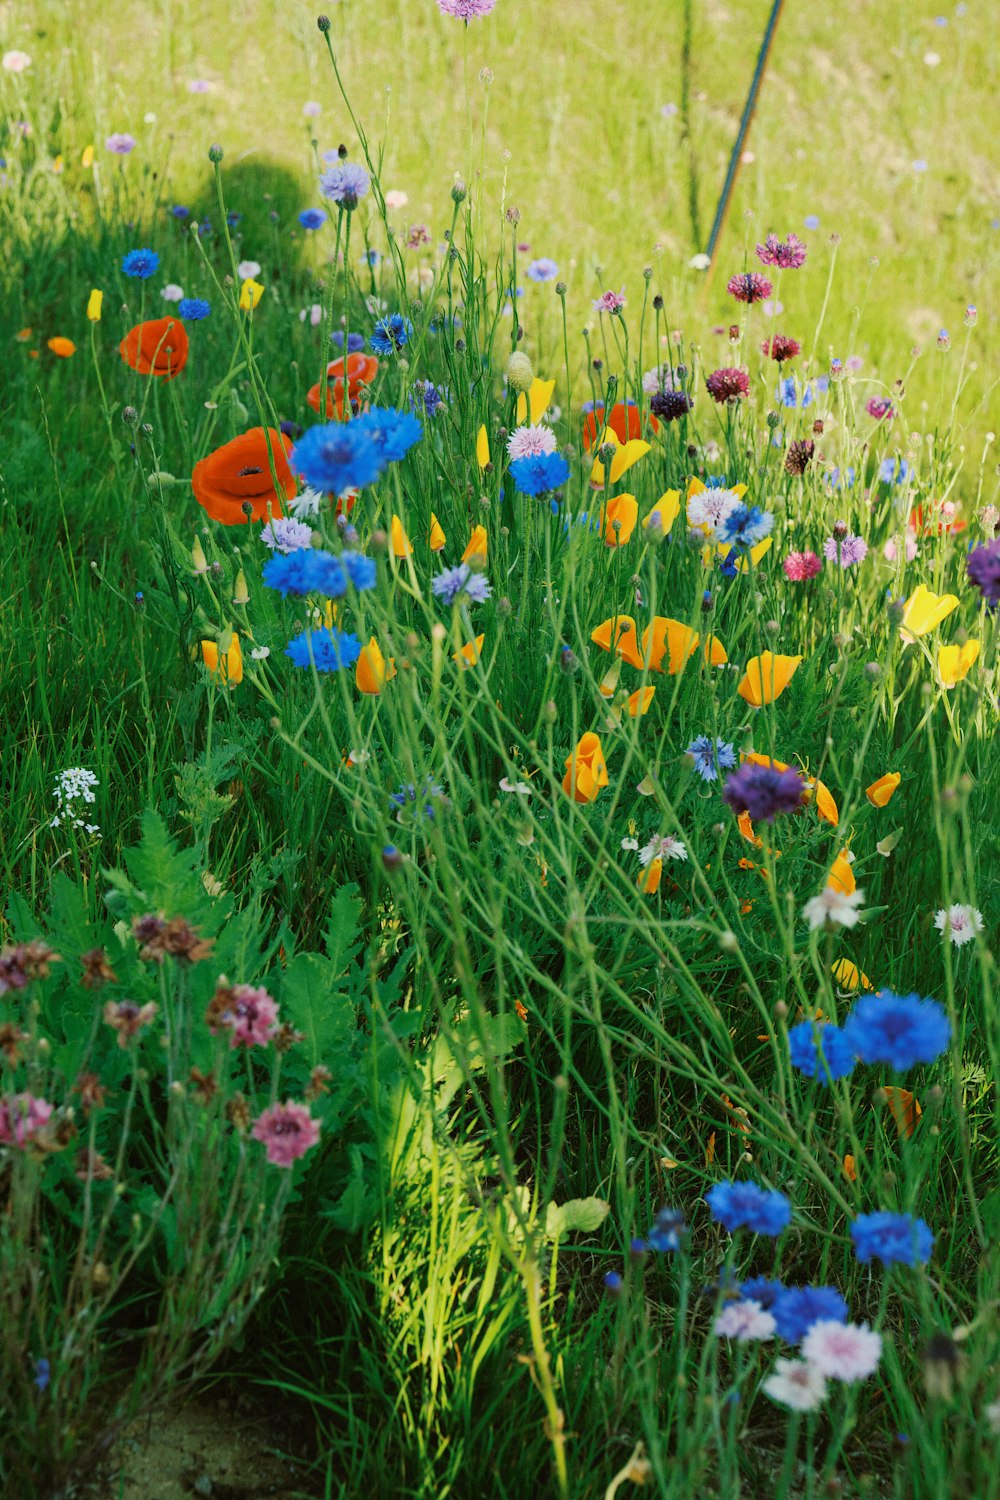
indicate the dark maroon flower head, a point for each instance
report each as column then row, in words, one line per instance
column 781, row 347
column 799, row 456
column 984, row 571
column 788, row 254
column 764, row 791
column 669, row 405
column 749, row 286
column 728, row 385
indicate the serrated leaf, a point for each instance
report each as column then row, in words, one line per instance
column 341, row 937
column 312, row 1003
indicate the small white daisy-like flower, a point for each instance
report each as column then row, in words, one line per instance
column 172, row 292
column 358, row 757
column 842, row 1351
column 520, row 787
column 747, row 1322
column 832, row 908
column 260, row 653
column 630, row 843
column 960, row 923
column 305, row 504
column 662, row 846
column 531, row 441
column 796, row 1384
column 285, row 534
column 247, row 269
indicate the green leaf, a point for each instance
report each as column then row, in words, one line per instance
column 578, row 1216
column 311, row 1002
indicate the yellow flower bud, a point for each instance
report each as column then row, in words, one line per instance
column 94, row 303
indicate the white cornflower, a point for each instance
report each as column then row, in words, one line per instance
column 796, row 1384
column 260, row 653
column 520, row 787
column 960, row 923
column 746, row 1322
column 662, row 846
column 395, row 198
column 531, row 441
column 248, row 269
column 842, row 1351
column 306, row 504
column 172, row 292
column 658, row 378
column 16, row 61
column 74, row 789
column 832, row 908
column 712, row 508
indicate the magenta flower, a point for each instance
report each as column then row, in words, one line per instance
column 22, row 1116
column 250, row 1015
column 728, row 385
column 287, row 1130
column 880, row 407
column 749, row 286
column 780, row 347
column 848, row 550
column 466, row 10
column 787, row 254
column 801, row 566
column 610, row 302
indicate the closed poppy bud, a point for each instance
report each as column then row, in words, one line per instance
column 372, row 671
column 94, row 303
column 198, row 559
column 640, row 700
column 924, row 611
column 250, row 294
column 850, row 1169
column 228, row 667
column 620, row 516
column 476, row 551
column 766, row 678
column 482, row 448
column 61, row 347
column 436, row 538
column 241, row 594
column 87, row 159
column 955, row 662
column 608, row 685
column 586, row 771
column 470, row 654
column 849, row 976
column 400, row 544
column 880, row 791
column 841, row 876
column 649, row 878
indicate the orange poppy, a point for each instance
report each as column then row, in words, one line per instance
column 61, row 347
column 158, row 347
column 905, row 1109
column 239, row 473
column 918, row 524
column 361, row 370
column 625, row 422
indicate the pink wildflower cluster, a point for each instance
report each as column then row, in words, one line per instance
column 287, row 1131
column 787, row 254
column 801, row 566
column 22, row 1116
column 249, row 1014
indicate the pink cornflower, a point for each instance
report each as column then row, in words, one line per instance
column 880, row 407
column 728, row 385
column 749, row 286
column 22, row 1116
column 610, row 302
column 466, row 10
column 781, row 347
column 287, row 1130
column 842, row 1351
column 417, row 235
column 250, row 1015
column 127, row 1018
column 801, row 566
column 891, row 549
column 788, row 254
column 530, row 442
column 746, row 1322
column 847, row 550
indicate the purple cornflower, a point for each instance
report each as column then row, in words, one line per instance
column 542, row 270
column 426, row 394
column 847, row 549
column 749, row 286
column 879, row 407
column 983, row 567
column 466, row 10
column 344, row 183
column 461, row 584
column 763, row 791
column 787, row 254
column 609, row 302
column 120, row 143
column 284, row 534
column 728, row 385
column 669, row 405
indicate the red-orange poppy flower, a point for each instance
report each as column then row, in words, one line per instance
column 361, row 371
column 158, row 347
column 239, row 473
column 624, row 421
column 925, row 529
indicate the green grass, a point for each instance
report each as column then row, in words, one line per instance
column 526, row 1028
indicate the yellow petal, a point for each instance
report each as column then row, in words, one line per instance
column 841, row 875
column 537, row 401
column 756, row 553
column 436, row 538
column 955, row 662
column 470, row 654
column 482, row 448
column 670, row 638
column 881, row 791
column 640, row 700
column 849, row 976
column 229, row 670
column 667, row 508
column 372, row 671
column 766, row 677
column 649, row 879
column 620, row 516
column 250, row 294
column 477, row 548
column 87, row 159
column 924, row 611
column 94, row 303
column 400, row 544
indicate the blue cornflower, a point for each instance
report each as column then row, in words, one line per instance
column 205, row 229
column 727, row 564
column 746, row 525
column 312, row 218
column 897, row 1029
column 336, row 457
column 709, row 758
column 614, row 1283
column 666, row 1232
column 141, row 264
column 42, row 1374
column 892, row 1239
column 309, row 571
column 359, row 569
column 233, row 218
column 180, row 212
column 193, row 309
column 539, row 474
column 893, row 471
column 796, row 1308
column 391, row 432
column 744, row 1205
column 421, row 799
column 542, row 270
column 344, row 183
column 426, row 394
column 822, row 1052
column 761, row 1289
column 788, row 393
column 811, row 221
column 461, row 583
column 354, row 340
column 329, row 650
column 391, row 334
column 715, row 481
column 839, row 479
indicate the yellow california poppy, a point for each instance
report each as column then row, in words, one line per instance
column 849, row 976
column 640, row 700
column 537, row 400
column 228, row 669
column 399, row 543
column 649, row 878
column 619, row 635
column 841, row 875
column 670, row 638
column 881, row 791
column 664, row 513
column 476, row 551
column 904, row 1108
column 924, row 611
column 436, row 538
column 470, row 654
column 373, row 671
column 766, row 678
column 87, row 159
column 94, row 304
column 250, row 294
column 482, row 448
column 626, row 454
column 620, row 516
column 586, row 771
column 955, row 662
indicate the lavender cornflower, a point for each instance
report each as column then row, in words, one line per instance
column 426, row 394
column 787, row 254
column 120, row 143
column 345, row 184
column 848, row 549
column 284, row 534
column 983, row 568
column 542, row 270
column 461, row 585
column 764, row 791
column 466, row 10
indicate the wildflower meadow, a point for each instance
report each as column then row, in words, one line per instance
column 500, row 559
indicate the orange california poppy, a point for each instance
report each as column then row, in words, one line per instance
column 239, row 473
column 586, row 771
column 624, row 421
column 905, row 1109
column 881, row 791
column 158, row 347
column 361, row 370
column 61, row 347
